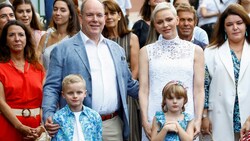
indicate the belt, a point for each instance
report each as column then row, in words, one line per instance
column 26, row 112
column 109, row 116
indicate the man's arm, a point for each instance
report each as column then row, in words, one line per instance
column 52, row 86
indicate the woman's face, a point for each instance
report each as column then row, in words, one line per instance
column 61, row 13
column 153, row 3
column 16, row 38
column 165, row 23
column 24, row 13
column 112, row 18
column 235, row 28
column 245, row 1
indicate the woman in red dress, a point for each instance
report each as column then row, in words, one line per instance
column 21, row 81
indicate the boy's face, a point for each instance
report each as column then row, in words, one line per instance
column 74, row 94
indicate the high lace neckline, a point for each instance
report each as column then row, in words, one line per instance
column 161, row 38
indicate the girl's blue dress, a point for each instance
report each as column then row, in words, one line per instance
column 161, row 120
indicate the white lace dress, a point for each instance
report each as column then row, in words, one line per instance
column 169, row 60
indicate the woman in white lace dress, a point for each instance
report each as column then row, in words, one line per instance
column 169, row 58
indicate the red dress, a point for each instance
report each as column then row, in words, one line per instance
column 22, row 90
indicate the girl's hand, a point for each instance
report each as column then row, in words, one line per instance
column 147, row 128
column 206, row 126
column 171, row 126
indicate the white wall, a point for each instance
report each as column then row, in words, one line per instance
column 39, row 6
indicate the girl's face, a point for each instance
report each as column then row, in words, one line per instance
column 235, row 28
column 61, row 13
column 16, row 39
column 112, row 18
column 165, row 23
column 174, row 104
column 24, row 13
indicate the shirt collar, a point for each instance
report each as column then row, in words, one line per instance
column 70, row 112
column 192, row 40
column 87, row 39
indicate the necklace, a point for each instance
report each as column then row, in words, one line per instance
column 60, row 36
column 18, row 64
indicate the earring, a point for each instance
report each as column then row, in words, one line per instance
column 225, row 37
column 246, row 34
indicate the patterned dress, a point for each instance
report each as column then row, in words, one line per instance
column 169, row 60
column 161, row 120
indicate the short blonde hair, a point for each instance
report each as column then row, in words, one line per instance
column 73, row 78
column 153, row 35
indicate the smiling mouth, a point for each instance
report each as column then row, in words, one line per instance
column 25, row 20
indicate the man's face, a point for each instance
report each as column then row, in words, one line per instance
column 6, row 14
column 179, row 2
column 93, row 19
column 186, row 23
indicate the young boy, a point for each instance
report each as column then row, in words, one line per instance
column 77, row 122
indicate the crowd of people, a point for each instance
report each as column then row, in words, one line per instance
column 180, row 73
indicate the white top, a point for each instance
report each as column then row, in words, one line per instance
column 104, row 86
column 124, row 4
column 200, row 35
column 211, row 6
column 78, row 133
column 169, row 60
column 47, row 50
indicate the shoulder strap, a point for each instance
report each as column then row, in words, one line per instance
column 46, row 41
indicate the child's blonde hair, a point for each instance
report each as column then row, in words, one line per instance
column 73, row 78
column 173, row 87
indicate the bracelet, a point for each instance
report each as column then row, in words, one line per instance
column 204, row 116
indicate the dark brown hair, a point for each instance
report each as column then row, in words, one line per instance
column 146, row 10
column 74, row 24
column 29, row 49
column 112, row 6
column 3, row 5
column 219, row 33
column 35, row 23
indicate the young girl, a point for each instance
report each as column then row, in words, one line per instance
column 172, row 123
